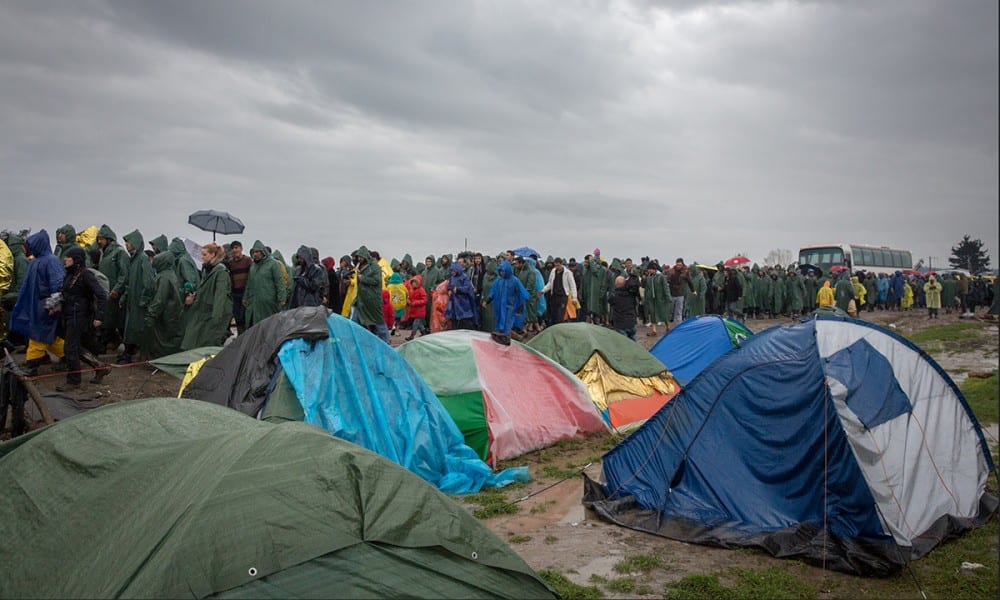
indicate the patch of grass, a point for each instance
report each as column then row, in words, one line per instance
column 640, row 563
column 982, row 395
column 569, row 590
column 697, row 587
column 519, row 539
column 953, row 336
column 554, row 472
column 540, row 508
column 491, row 502
column 749, row 584
column 551, row 539
column 622, row 585
column 595, row 578
column 643, row 590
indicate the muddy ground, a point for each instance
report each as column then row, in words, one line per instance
column 552, row 531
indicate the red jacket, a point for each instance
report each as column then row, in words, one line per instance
column 416, row 305
column 388, row 315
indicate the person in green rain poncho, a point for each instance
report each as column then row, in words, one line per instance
column 286, row 272
column 266, row 293
column 140, row 277
column 594, row 288
column 368, row 306
column 114, row 265
column 66, row 239
column 158, row 244
column 843, row 293
column 164, row 311
column 209, row 310
column 694, row 303
column 796, row 289
column 487, row 320
column 656, row 298
column 777, row 293
column 184, row 267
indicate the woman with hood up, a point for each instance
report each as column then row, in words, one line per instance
column 508, row 296
column 310, row 280
column 825, row 296
column 695, row 302
column 932, row 293
column 486, row 319
column 210, row 309
column 461, row 309
column 398, row 295
column 416, row 306
column 35, row 315
column 83, row 299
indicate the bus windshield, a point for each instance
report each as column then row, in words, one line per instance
column 823, row 257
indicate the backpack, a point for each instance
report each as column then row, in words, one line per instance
column 101, row 279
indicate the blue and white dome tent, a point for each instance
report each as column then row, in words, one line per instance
column 832, row 440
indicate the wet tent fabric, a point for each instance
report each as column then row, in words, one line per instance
column 178, row 364
column 626, row 382
column 507, row 400
column 182, row 499
column 832, row 421
column 694, row 344
column 356, row 387
column 238, row 377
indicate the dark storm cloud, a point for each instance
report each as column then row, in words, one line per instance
column 692, row 128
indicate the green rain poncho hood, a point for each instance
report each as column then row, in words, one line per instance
column 369, row 299
column 140, row 276
column 164, row 311
column 266, row 292
column 107, row 233
column 159, row 244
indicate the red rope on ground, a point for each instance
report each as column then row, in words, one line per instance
column 89, row 370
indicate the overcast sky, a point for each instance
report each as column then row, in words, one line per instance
column 694, row 129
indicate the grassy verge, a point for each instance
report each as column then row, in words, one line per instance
column 953, row 337
column 982, row 395
column 569, row 590
column 772, row 582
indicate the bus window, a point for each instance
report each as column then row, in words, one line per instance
column 907, row 260
column 897, row 259
column 877, row 258
column 863, row 255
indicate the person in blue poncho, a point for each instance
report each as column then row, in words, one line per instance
column 508, row 297
column 36, row 316
column 461, row 309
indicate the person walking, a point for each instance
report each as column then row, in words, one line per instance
column 461, row 309
column 114, row 264
column 239, row 273
column 165, row 311
column 140, row 277
column 36, row 313
column 679, row 282
column 656, row 295
column 369, row 300
column 209, row 311
column 309, row 280
column 623, row 309
column 265, row 293
column 83, row 299
column 561, row 288
column 507, row 295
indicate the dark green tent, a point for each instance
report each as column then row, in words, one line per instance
column 185, row 499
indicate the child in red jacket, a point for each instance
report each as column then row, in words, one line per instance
column 416, row 305
column 388, row 314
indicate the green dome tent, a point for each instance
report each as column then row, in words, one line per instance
column 627, row 383
column 183, row 499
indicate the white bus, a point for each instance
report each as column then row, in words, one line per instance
column 856, row 257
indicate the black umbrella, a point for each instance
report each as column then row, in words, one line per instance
column 806, row 268
column 216, row 221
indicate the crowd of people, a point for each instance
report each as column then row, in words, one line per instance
column 80, row 303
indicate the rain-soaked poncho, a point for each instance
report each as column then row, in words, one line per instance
column 44, row 278
column 508, row 296
column 361, row 390
column 165, row 310
column 461, row 296
column 140, row 277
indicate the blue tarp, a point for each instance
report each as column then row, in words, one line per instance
column 692, row 346
column 358, row 388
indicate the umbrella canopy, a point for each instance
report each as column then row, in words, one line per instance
column 526, row 252
column 806, row 268
column 736, row 260
column 216, row 221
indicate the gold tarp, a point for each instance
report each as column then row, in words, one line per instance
column 608, row 386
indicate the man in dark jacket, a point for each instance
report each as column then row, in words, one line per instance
column 309, row 280
column 623, row 311
column 677, row 279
